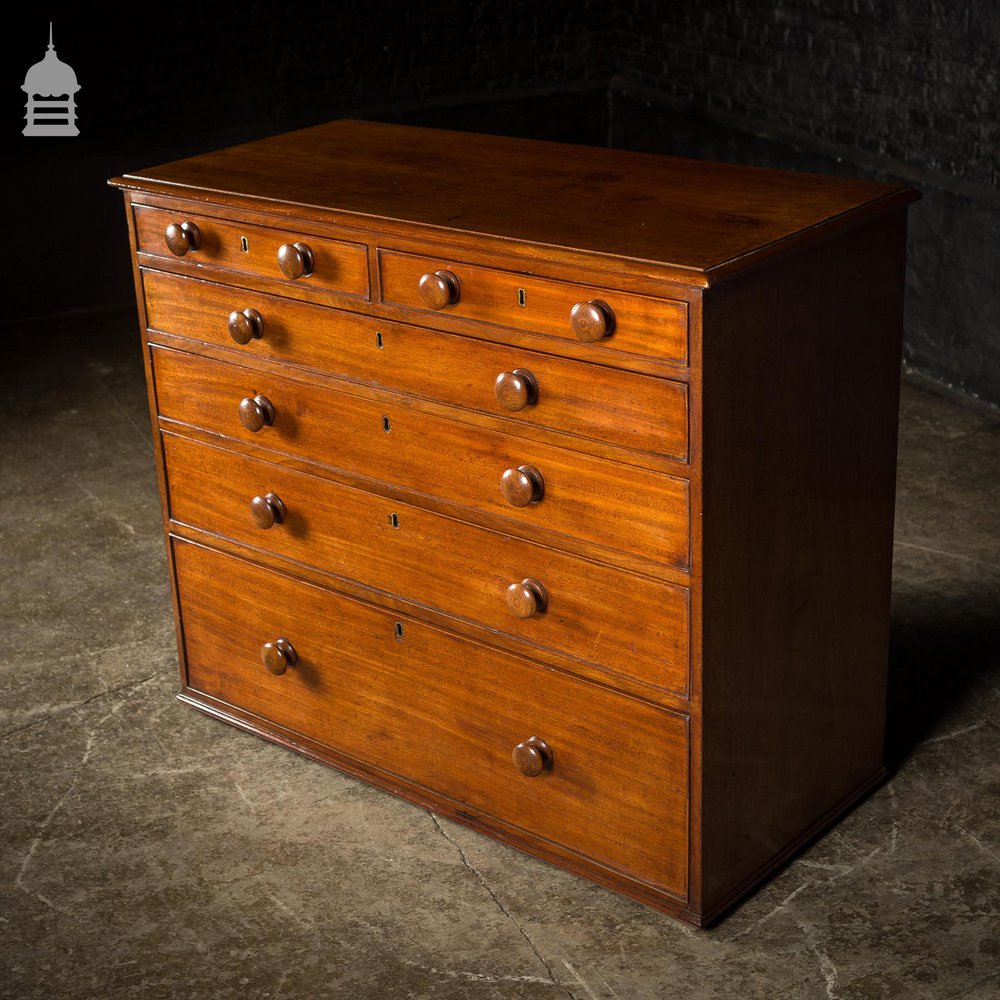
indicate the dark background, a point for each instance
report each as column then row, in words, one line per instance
column 902, row 90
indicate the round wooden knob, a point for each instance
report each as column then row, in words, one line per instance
column 522, row 486
column 527, row 598
column 517, row 389
column 256, row 412
column 267, row 511
column 591, row 320
column 532, row 756
column 278, row 656
column 296, row 260
column 246, row 325
column 439, row 289
column 181, row 237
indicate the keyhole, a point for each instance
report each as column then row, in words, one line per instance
column 386, row 425
column 378, row 340
column 520, row 297
column 399, row 630
column 394, row 519
column 244, row 246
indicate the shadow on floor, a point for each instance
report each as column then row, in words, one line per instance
column 939, row 653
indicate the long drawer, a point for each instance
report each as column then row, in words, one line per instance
column 629, row 624
column 616, row 506
column 443, row 712
column 631, row 324
column 636, row 411
column 334, row 265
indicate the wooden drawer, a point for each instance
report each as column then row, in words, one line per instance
column 616, row 506
column 444, row 713
column 591, row 401
column 654, row 328
column 629, row 624
column 337, row 266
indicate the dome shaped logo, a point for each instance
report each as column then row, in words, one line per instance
column 51, row 88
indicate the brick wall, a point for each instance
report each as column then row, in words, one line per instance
column 915, row 81
column 898, row 90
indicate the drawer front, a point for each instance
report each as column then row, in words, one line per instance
column 626, row 623
column 616, row 506
column 650, row 328
column 444, row 713
column 336, row 265
column 592, row 401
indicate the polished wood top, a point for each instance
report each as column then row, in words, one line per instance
column 682, row 213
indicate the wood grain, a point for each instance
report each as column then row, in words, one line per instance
column 616, row 506
column 643, row 326
column 798, row 514
column 586, row 401
column 339, row 266
column 629, row 624
column 688, row 213
column 444, row 712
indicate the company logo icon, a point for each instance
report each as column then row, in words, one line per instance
column 51, row 88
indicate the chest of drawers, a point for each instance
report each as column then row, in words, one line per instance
column 548, row 487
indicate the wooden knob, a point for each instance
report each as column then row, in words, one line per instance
column 181, row 237
column 296, row 260
column 532, row 756
column 517, row 389
column 278, row 656
column 522, row 486
column 439, row 289
column 256, row 412
column 246, row 325
column 267, row 511
column 591, row 320
column 527, row 598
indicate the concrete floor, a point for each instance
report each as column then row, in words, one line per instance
column 151, row 852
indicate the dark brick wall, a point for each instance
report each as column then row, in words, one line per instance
column 911, row 80
column 902, row 90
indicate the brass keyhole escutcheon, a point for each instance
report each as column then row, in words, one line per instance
column 244, row 245
column 520, row 298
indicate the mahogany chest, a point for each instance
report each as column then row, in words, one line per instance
column 548, row 487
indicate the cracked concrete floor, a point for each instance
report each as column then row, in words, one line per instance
column 149, row 851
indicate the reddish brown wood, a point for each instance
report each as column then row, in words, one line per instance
column 631, row 625
column 532, row 757
column 182, row 237
column 296, row 260
column 359, row 687
column 527, row 598
column 581, row 400
column 683, row 369
column 695, row 215
column 267, row 511
column 584, row 497
column 515, row 390
column 245, row 325
column 592, row 320
column 631, row 324
column 334, row 264
column 278, row 656
column 797, row 551
column 438, row 289
column 522, row 486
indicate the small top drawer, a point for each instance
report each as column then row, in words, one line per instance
column 292, row 257
column 616, row 323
